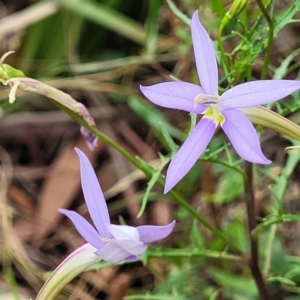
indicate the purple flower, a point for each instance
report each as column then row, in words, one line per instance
column 216, row 110
column 114, row 243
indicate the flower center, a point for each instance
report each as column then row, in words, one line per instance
column 213, row 110
column 214, row 113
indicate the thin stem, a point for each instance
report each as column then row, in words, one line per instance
column 270, row 38
column 192, row 252
column 147, row 170
column 221, row 47
column 253, row 259
column 269, row 248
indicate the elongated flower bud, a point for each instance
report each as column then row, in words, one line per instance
column 78, row 261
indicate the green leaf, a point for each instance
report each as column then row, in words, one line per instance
column 107, row 17
column 7, row 72
column 282, row 70
column 178, row 13
column 229, row 187
column 151, row 25
column 235, row 287
column 286, row 17
column 155, row 176
column 282, row 280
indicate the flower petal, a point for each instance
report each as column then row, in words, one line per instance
column 177, row 95
column 116, row 251
column 85, row 229
column 123, row 232
column 151, row 233
column 93, row 195
column 258, row 92
column 190, row 151
column 243, row 136
column 205, row 57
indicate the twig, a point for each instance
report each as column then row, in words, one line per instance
column 253, row 259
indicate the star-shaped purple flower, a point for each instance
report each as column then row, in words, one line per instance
column 115, row 243
column 216, row 110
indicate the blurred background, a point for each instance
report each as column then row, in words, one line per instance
column 100, row 51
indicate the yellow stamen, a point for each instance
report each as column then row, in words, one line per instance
column 215, row 114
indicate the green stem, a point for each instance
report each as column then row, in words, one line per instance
column 275, row 219
column 147, row 170
column 253, row 242
column 221, row 47
column 269, row 249
column 191, row 253
column 270, row 38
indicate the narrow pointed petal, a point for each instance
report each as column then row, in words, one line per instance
column 124, row 232
column 205, row 57
column 150, row 233
column 93, row 195
column 176, row 95
column 78, row 261
column 116, row 251
column 85, row 229
column 258, row 92
column 243, row 136
column 262, row 116
column 189, row 152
